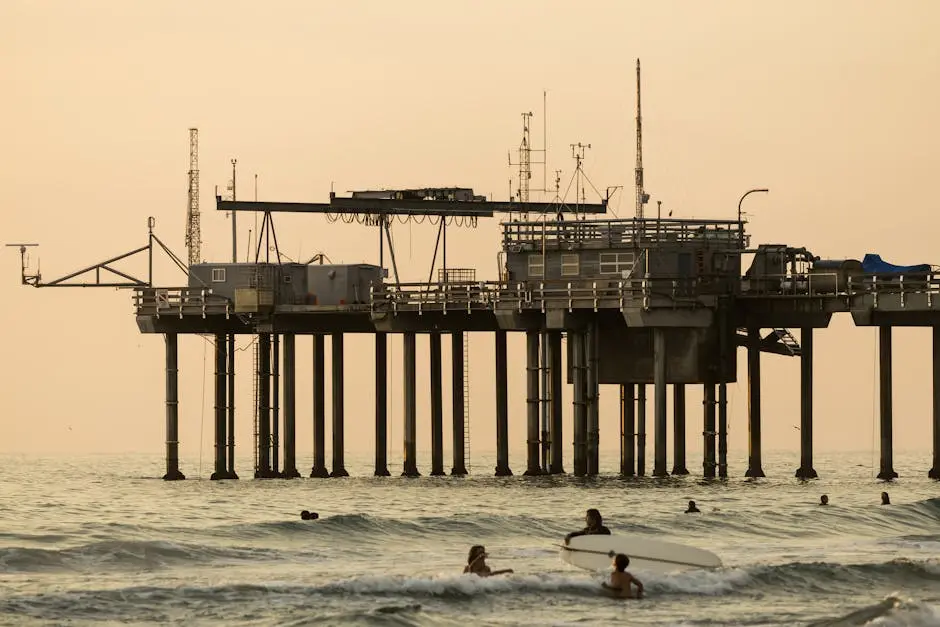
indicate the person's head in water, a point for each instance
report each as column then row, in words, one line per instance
column 824, row 500
column 593, row 518
column 692, row 508
column 477, row 555
column 884, row 499
column 305, row 515
column 621, row 562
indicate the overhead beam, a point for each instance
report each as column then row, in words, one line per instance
column 380, row 206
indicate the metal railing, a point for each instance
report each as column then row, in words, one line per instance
column 620, row 232
column 820, row 284
column 180, row 301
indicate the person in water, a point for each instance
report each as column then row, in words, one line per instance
column 595, row 526
column 824, row 500
column 305, row 515
column 692, row 508
column 621, row 582
column 884, row 499
column 476, row 563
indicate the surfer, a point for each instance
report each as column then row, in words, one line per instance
column 824, row 500
column 620, row 581
column 884, row 499
column 305, row 515
column 476, row 563
column 595, row 526
column 693, row 509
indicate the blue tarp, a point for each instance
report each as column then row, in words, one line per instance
column 876, row 265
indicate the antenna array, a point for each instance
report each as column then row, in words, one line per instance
column 193, row 231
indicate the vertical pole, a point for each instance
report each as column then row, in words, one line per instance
column 263, row 471
column 546, row 407
column 576, row 345
column 678, row 428
column 172, row 411
column 502, row 407
column 641, row 430
column 887, row 447
column 437, row 407
column 410, row 468
column 275, row 403
column 708, row 433
column 457, row 406
column 935, row 469
column 231, row 406
column 290, row 407
column 557, row 465
column 627, row 429
column 532, row 403
column 754, row 466
column 339, row 462
column 723, row 430
column 221, row 363
column 806, row 470
column 319, row 408
column 381, row 405
column 659, row 402
column 593, row 414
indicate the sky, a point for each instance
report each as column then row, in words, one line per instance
column 832, row 106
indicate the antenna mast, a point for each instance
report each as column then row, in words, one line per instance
column 525, row 162
column 641, row 197
column 193, row 231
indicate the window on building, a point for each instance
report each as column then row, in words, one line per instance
column 218, row 275
column 569, row 265
column 615, row 263
column 536, row 266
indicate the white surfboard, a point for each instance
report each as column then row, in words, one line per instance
column 597, row 553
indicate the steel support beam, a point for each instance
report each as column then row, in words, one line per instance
column 437, row 407
column 319, row 469
column 339, row 460
column 887, row 419
column 410, row 465
column 754, row 465
column 172, row 410
column 502, row 407
column 381, row 405
column 806, row 470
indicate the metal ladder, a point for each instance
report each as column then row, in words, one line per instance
column 254, row 395
column 786, row 338
column 466, row 401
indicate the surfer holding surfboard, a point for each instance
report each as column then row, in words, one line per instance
column 595, row 526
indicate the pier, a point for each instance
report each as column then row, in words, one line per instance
column 634, row 303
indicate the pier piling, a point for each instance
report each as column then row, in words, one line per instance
column 592, row 399
column 708, row 433
column 754, row 466
column 290, row 407
column 275, row 404
column 935, row 469
column 263, row 467
column 231, row 406
column 641, row 430
column 532, row 404
column 319, row 409
column 806, row 470
column 381, row 405
column 678, row 428
column 557, row 466
column 502, row 407
column 221, row 399
column 172, row 410
column 659, row 403
column 457, row 403
column 887, row 419
column 723, row 430
column 410, row 463
column 437, row 407
column 546, row 405
column 627, row 429
column 576, row 351
column 339, row 462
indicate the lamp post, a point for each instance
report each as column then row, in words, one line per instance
column 740, row 223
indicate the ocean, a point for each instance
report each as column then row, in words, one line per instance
column 101, row 539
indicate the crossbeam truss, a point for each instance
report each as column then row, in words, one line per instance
column 104, row 274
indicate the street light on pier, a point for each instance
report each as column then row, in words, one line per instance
column 740, row 223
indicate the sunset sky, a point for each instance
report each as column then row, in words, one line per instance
column 833, row 106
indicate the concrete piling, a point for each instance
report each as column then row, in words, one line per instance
column 410, row 463
column 557, row 465
column 754, row 466
column 659, row 403
column 437, row 407
column 290, row 407
column 221, row 398
column 678, row 428
column 381, row 405
column 339, row 462
column 319, row 409
column 627, row 429
column 806, row 470
column 532, row 404
column 887, row 472
column 263, row 467
column 708, row 432
column 641, row 430
column 172, row 410
column 457, row 403
column 502, row 407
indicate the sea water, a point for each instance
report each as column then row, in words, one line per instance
column 101, row 539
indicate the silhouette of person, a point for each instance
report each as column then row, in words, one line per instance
column 824, row 500
column 884, row 499
column 692, row 508
column 305, row 515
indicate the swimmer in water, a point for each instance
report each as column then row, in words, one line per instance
column 692, row 508
column 305, row 515
column 476, row 563
column 884, row 499
column 621, row 582
column 824, row 500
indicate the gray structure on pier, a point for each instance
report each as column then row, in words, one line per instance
column 641, row 302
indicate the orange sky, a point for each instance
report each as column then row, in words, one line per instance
column 830, row 105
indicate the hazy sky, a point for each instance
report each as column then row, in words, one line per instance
column 833, row 106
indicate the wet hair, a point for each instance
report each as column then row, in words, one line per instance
column 621, row 562
column 595, row 515
column 691, row 504
column 884, row 499
column 305, row 515
column 823, row 500
column 476, row 551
